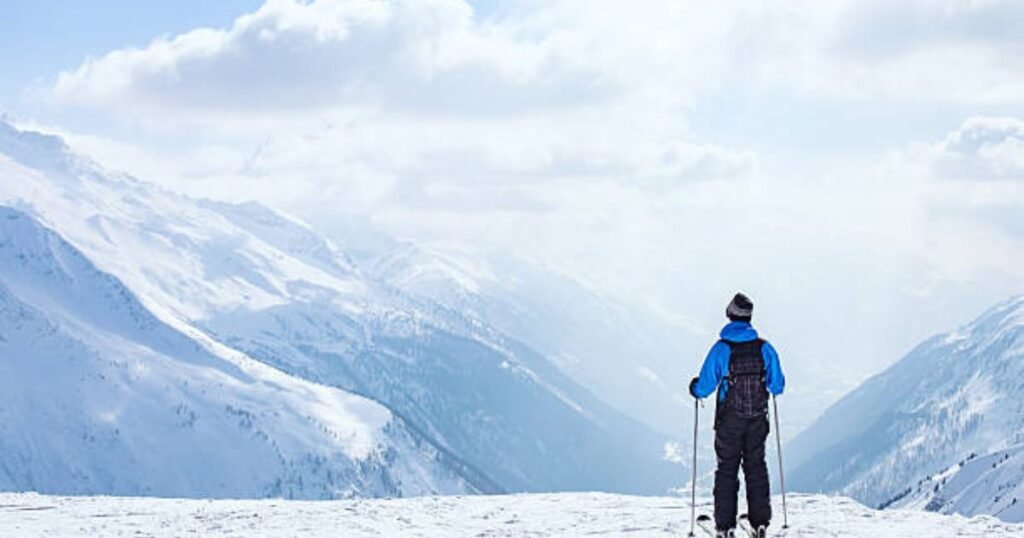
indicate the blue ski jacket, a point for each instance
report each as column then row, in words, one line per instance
column 716, row 365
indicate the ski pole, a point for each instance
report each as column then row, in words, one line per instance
column 693, row 480
column 782, row 474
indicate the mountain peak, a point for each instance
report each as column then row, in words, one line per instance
column 128, row 393
column 1009, row 312
column 952, row 396
column 34, row 149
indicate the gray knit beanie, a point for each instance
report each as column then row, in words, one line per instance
column 740, row 308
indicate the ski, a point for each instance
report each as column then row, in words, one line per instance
column 746, row 527
column 706, row 524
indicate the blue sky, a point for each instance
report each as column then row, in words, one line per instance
column 38, row 38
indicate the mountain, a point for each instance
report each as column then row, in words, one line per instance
column 98, row 395
column 634, row 360
column 551, row 515
column 954, row 396
column 989, row 484
column 274, row 289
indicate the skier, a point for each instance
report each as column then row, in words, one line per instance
column 743, row 368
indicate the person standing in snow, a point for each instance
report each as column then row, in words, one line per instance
column 743, row 369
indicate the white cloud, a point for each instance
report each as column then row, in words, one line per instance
column 428, row 55
column 949, row 52
column 439, row 57
column 422, row 103
column 983, row 148
column 882, row 28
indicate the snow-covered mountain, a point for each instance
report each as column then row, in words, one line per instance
column 484, row 395
column 955, row 396
column 549, row 515
column 98, row 395
column 272, row 288
column 636, row 361
column 989, row 484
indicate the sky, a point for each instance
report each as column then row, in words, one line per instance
column 857, row 167
column 39, row 37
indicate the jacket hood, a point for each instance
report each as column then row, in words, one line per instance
column 738, row 331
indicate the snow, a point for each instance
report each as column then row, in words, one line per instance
column 954, row 398
column 989, row 484
column 99, row 395
column 547, row 515
column 618, row 352
column 244, row 282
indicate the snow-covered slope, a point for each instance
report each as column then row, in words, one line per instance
column 97, row 395
column 549, row 515
column 990, row 484
column 274, row 289
column 954, row 395
column 636, row 361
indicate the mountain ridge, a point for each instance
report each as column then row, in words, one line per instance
column 273, row 289
column 954, row 395
column 128, row 404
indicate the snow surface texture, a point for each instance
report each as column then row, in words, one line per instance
column 539, row 515
column 98, row 395
column 990, row 484
column 501, row 414
column 956, row 397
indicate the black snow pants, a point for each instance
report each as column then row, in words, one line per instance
column 740, row 441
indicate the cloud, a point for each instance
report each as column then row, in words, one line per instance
column 880, row 28
column 689, row 161
column 973, row 181
column 428, row 55
column 443, row 57
column 422, row 103
column 983, row 148
column 668, row 151
column 945, row 52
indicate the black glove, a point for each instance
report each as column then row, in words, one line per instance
column 693, row 385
